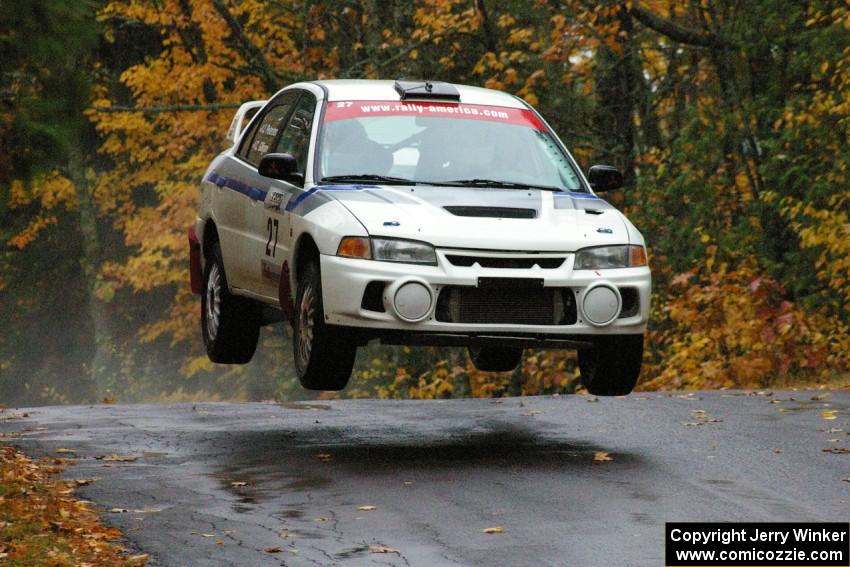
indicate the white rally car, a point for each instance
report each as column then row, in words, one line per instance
column 417, row 213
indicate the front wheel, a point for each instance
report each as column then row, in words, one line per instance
column 324, row 354
column 612, row 366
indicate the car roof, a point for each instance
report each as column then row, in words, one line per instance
column 362, row 89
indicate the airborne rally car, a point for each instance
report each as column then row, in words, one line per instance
column 414, row 213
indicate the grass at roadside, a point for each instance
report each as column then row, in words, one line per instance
column 42, row 523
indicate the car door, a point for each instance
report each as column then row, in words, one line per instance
column 270, row 224
column 247, row 190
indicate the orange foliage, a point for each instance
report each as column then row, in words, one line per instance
column 734, row 329
column 44, row 525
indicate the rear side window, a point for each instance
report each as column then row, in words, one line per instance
column 295, row 139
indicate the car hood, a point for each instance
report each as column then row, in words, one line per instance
column 485, row 218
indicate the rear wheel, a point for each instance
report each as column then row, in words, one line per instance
column 230, row 324
column 612, row 366
column 324, row 354
column 495, row 359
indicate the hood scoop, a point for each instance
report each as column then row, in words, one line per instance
column 492, row 212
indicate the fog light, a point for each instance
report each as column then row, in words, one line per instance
column 412, row 301
column 601, row 305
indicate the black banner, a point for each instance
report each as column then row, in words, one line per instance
column 801, row 544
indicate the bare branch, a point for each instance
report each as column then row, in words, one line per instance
column 253, row 55
column 673, row 30
column 168, row 108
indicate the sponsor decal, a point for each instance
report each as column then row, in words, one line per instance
column 348, row 109
column 270, row 272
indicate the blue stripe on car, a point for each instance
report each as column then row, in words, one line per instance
column 257, row 194
column 293, row 203
column 247, row 190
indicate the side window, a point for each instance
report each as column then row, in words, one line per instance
column 295, row 139
column 267, row 132
column 264, row 129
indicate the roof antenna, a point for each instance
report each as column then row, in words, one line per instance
column 428, row 86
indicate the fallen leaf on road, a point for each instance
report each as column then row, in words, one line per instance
column 273, row 550
column 777, row 451
column 138, row 559
column 602, row 456
column 829, row 414
column 117, row 510
column 116, row 458
column 208, row 535
column 494, row 530
column 383, row 549
column 219, row 542
column 83, row 481
column 532, row 412
column 593, row 399
column 239, row 483
column 324, row 456
column 836, row 450
column 693, row 423
column 367, row 508
column 821, row 396
column 65, row 451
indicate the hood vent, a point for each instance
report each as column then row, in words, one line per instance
column 492, row 212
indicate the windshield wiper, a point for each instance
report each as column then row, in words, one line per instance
column 368, row 177
column 500, row 184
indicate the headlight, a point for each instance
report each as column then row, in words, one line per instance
column 602, row 257
column 387, row 250
column 409, row 251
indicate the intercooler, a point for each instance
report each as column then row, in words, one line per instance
column 517, row 301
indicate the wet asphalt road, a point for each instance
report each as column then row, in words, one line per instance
column 439, row 472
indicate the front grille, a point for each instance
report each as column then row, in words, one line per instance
column 505, row 263
column 492, row 212
column 506, row 305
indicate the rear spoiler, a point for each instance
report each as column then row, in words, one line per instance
column 242, row 118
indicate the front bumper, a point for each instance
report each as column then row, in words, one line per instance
column 344, row 281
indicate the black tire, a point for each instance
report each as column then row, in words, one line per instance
column 230, row 324
column 495, row 359
column 612, row 366
column 324, row 354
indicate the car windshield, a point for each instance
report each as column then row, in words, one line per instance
column 442, row 143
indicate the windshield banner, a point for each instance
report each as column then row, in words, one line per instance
column 348, row 109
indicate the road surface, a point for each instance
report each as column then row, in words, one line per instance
column 571, row 480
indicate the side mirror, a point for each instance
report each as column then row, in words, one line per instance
column 280, row 166
column 605, row 178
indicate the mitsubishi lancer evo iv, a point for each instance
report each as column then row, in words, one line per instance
column 414, row 213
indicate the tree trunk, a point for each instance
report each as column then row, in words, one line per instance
column 101, row 367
